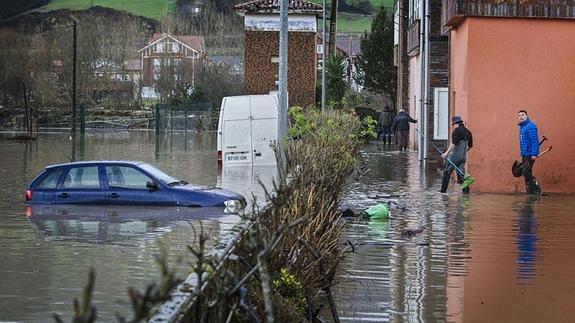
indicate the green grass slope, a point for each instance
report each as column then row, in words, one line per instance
column 357, row 23
column 155, row 9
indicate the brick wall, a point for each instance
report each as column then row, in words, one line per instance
column 438, row 70
column 261, row 73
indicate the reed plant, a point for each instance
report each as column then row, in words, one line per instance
column 284, row 264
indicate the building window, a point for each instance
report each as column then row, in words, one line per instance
column 275, row 59
column 396, row 26
column 159, row 48
column 413, row 11
column 175, row 48
column 319, row 49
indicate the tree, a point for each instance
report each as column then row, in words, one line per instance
column 375, row 64
column 335, row 70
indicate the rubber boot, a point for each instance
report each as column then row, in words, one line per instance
column 444, row 182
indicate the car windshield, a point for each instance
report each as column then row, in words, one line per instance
column 165, row 178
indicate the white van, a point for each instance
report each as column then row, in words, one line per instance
column 247, row 130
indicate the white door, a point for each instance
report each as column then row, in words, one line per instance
column 236, row 134
column 441, row 117
column 264, row 129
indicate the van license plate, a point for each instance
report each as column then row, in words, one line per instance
column 235, row 158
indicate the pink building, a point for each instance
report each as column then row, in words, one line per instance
column 506, row 56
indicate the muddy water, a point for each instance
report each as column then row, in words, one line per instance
column 454, row 258
column 45, row 253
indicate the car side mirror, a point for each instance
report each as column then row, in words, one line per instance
column 152, row 186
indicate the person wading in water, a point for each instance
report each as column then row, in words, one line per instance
column 461, row 142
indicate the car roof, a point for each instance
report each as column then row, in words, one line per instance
column 96, row 162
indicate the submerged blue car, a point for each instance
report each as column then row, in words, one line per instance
column 123, row 183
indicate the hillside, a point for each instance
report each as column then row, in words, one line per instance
column 155, row 9
column 355, row 15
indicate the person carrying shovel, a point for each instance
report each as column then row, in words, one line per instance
column 461, row 142
column 529, row 148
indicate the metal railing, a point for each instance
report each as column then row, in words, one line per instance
column 455, row 10
column 413, row 37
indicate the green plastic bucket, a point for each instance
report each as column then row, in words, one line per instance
column 378, row 211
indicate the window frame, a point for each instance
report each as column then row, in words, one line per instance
column 107, row 180
column 44, row 176
column 70, row 168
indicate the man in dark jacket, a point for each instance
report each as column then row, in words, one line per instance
column 385, row 123
column 401, row 128
column 529, row 148
column 461, row 142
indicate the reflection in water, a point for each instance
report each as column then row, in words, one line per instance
column 45, row 259
column 249, row 181
column 468, row 259
column 113, row 224
column 526, row 240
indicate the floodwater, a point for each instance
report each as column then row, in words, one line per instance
column 441, row 258
column 46, row 251
column 451, row 257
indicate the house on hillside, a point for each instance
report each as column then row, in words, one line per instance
column 235, row 63
column 262, row 25
column 119, row 82
column 348, row 47
column 170, row 61
column 506, row 56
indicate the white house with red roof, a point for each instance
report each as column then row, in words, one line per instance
column 172, row 56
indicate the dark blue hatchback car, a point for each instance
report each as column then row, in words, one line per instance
column 123, row 183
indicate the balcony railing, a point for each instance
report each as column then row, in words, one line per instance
column 413, row 37
column 454, row 11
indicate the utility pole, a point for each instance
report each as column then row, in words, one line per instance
column 323, row 49
column 332, row 27
column 283, row 69
column 74, row 59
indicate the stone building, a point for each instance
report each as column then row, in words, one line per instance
column 261, row 62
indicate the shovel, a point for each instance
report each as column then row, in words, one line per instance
column 517, row 168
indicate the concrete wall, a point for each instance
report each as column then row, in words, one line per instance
column 261, row 73
column 501, row 65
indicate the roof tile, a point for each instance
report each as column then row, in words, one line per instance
column 266, row 6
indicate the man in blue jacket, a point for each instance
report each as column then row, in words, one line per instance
column 529, row 147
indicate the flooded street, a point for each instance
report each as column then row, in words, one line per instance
column 441, row 257
column 454, row 258
column 46, row 251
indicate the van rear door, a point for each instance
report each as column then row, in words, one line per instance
column 237, row 131
column 264, row 128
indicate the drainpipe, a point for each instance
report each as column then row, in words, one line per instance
column 427, row 85
column 422, row 50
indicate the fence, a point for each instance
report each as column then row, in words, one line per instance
column 183, row 117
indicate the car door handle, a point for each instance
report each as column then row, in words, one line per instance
column 64, row 195
column 114, row 195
